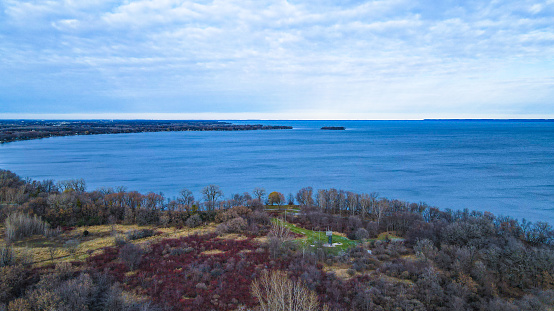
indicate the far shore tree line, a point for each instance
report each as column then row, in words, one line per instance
column 14, row 130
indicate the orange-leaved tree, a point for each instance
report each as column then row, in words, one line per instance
column 276, row 198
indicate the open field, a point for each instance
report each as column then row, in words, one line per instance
column 72, row 245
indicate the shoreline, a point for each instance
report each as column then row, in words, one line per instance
column 21, row 130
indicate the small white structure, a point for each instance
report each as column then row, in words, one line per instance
column 332, row 245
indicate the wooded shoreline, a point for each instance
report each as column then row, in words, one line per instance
column 17, row 130
column 57, row 238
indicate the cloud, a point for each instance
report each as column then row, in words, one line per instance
column 275, row 56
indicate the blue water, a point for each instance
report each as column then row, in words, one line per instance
column 502, row 167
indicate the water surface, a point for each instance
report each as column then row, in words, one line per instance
column 503, row 167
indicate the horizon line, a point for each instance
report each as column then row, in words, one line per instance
column 277, row 116
column 431, row 119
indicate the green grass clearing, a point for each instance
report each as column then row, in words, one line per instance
column 387, row 236
column 318, row 237
column 283, row 208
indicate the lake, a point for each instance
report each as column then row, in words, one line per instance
column 505, row 167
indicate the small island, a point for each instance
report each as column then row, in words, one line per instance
column 334, row 128
column 14, row 130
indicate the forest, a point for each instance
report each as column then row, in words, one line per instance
column 335, row 128
column 114, row 249
column 14, row 130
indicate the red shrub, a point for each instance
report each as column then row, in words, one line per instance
column 181, row 273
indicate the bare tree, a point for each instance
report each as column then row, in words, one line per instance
column 365, row 202
column 211, row 194
column 47, row 186
column 19, row 225
column 280, row 231
column 153, row 201
column 373, row 200
column 52, row 251
column 78, row 185
column 278, row 236
column 186, row 199
column 237, row 200
column 276, row 292
column 290, row 200
column 304, row 197
column 322, row 199
column 382, row 206
column 353, row 202
column 259, row 194
column 333, row 201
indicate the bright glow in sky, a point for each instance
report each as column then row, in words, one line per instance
column 234, row 59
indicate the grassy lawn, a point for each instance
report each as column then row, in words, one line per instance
column 283, row 208
column 319, row 237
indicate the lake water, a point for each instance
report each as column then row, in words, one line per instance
column 502, row 167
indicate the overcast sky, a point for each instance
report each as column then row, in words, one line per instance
column 313, row 59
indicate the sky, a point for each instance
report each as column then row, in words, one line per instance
column 262, row 59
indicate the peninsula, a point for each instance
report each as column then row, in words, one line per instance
column 14, row 130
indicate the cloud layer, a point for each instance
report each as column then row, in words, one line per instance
column 363, row 59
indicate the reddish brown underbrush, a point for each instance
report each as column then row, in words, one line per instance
column 198, row 272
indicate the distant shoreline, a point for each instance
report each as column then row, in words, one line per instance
column 494, row 120
column 334, row 128
column 19, row 130
column 12, row 130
